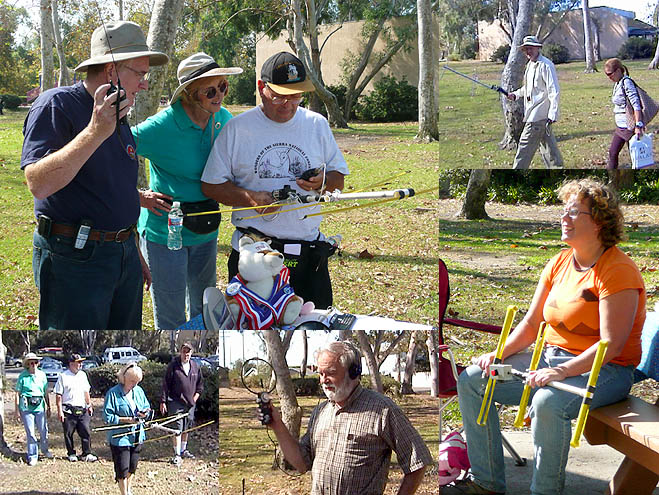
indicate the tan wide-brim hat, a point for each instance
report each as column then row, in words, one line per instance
column 120, row 40
column 198, row 66
column 530, row 41
column 30, row 356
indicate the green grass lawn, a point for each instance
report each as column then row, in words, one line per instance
column 399, row 281
column 471, row 122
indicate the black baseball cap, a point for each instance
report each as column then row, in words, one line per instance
column 285, row 74
column 75, row 358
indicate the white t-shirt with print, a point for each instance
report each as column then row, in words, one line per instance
column 258, row 154
column 72, row 388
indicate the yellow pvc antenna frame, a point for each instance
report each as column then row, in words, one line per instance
column 489, row 389
column 535, row 359
column 589, row 392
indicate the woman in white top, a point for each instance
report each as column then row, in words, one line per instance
column 624, row 93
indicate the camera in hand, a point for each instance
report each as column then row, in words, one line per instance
column 113, row 89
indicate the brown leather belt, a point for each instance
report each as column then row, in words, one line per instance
column 94, row 235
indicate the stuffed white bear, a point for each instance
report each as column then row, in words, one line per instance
column 260, row 295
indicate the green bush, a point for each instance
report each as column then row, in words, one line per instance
column 558, row 54
column 160, row 357
column 309, row 385
column 501, row 54
column 11, row 101
column 454, row 57
column 468, row 52
column 636, row 48
column 242, row 90
column 390, row 101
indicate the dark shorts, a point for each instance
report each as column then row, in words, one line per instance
column 175, row 407
column 125, row 460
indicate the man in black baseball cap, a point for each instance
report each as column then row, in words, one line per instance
column 279, row 144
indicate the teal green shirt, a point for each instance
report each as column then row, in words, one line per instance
column 177, row 150
column 29, row 385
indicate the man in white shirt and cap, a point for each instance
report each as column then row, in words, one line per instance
column 541, row 94
column 74, row 408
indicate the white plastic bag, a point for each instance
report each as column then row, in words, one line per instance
column 641, row 151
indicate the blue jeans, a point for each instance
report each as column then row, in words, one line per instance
column 550, row 410
column 98, row 286
column 33, row 421
column 179, row 279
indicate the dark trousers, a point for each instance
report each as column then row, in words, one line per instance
column 80, row 424
column 125, row 460
column 309, row 280
column 620, row 137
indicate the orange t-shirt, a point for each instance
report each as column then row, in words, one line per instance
column 572, row 307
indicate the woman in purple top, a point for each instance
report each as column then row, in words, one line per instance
column 624, row 93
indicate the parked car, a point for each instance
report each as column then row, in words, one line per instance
column 202, row 362
column 52, row 369
column 214, row 361
column 88, row 364
column 13, row 362
column 122, row 355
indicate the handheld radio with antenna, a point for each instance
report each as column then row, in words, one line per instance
column 113, row 89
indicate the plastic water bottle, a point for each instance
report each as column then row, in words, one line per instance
column 174, row 227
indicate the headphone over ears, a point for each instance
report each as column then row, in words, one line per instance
column 355, row 369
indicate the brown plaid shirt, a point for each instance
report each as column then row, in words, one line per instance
column 349, row 449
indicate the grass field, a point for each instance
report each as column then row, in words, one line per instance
column 471, row 122
column 399, row 281
column 246, row 452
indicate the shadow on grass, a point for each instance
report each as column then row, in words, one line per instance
column 575, row 135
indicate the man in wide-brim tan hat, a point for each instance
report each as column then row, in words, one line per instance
column 80, row 165
column 541, row 94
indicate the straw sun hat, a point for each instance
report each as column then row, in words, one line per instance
column 196, row 67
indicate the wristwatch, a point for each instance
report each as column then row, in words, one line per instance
column 640, row 124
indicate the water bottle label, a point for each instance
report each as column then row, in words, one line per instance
column 175, row 221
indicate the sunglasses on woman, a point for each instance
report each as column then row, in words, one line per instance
column 211, row 92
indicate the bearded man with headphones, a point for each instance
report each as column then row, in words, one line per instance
column 350, row 437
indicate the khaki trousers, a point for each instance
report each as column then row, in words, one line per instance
column 534, row 135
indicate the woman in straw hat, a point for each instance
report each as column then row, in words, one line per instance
column 126, row 403
column 177, row 142
column 624, row 92
column 32, row 407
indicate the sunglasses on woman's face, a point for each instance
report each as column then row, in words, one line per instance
column 211, row 92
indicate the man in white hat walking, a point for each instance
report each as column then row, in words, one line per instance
column 541, row 94
column 272, row 146
column 80, row 165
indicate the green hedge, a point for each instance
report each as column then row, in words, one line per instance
column 104, row 378
column 390, row 101
column 637, row 48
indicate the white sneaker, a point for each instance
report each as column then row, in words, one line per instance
column 91, row 458
column 72, row 458
column 32, row 462
column 176, row 460
column 186, row 454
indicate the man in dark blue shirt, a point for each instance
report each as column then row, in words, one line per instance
column 80, row 165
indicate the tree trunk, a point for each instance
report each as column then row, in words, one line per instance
column 428, row 110
column 597, row 43
column 410, row 361
column 47, row 65
column 334, row 114
column 165, row 19
column 432, row 342
column 588, row 42
column 305, row 354
column 64, row 77
column 473, row 206
column 513, row 73
column 291, row 412
column 371, row 360
column 88, row 338
column 4, row 448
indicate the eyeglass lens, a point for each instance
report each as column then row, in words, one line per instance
column 210, row 93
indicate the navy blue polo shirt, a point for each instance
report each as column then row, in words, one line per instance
column 105, row 188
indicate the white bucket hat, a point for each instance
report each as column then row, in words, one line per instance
column 124, row 40
column 196, row 67
column 530, row 41
column 30, row 356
